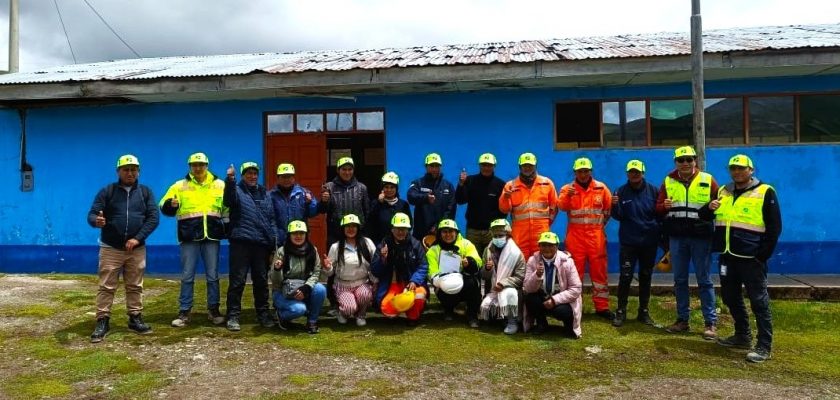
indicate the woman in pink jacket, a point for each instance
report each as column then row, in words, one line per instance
column 552, row 287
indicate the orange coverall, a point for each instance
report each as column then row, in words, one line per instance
column 588, row 211
column 532, row 210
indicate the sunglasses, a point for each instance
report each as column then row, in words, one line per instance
column 684, row 159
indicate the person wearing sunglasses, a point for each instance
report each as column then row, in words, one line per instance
column 684, row 193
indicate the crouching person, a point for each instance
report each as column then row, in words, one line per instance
column 552, row 287
column 400, row 266
column 294, row 279
column 349, row 261
column 453, row 268
column 504, row 265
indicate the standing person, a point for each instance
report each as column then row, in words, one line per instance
column 685, row 191
column 531, row 201
column 351, row 268
column 634, row 207
column 400, row 266
column 291, row 201
column 126, row 214
column 587, row 203
column 552, row 287
column 253, row 239
column 197, row 203
column 748, row 223
column 432, row 196
column 454, row 266
column 504, row 266
column 481, row 193
column 294, row 279
column 383, row 209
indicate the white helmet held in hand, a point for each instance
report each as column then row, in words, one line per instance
column 450, row 283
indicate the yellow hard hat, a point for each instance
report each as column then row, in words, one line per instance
column 127, row 159
column 433, row 158
column 401, row 220
column 487, row 158
column 285, row 169
column 582, row 163
column 685, row 151
column 248, row 164
column 198, row 158
column 448, row 224
column 391, row 177
column 635, row 164
column 528, row 158
column 344, row 161
column 549, row 237
column 350, row 219
column 296, row 226
column 741, row 160
column 403, row 301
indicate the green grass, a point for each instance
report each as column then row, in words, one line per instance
column 138, row 384
column 34, row 386
column 30, row 310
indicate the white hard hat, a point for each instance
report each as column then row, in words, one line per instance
column 451, row 283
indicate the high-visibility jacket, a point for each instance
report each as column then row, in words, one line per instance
column 743, row 214
column 532, row 210
column 465, row 249
column 683, row 218
column 588, row 208
column 201, row 213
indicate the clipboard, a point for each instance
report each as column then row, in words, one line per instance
column 449, row 262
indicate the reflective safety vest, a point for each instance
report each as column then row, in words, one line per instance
column 745, row 212
column 687, row 201
column 201, row 213
column 465, row 249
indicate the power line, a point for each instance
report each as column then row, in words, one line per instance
column 112, row 29
column 65, row 31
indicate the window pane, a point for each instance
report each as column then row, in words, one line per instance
column 624, row 123
column 340, row 122
column 310, row 122
column 578, row 125
column 671, row 122
column 724, row 120
column 280, row 123
column 819, row 118
column 771, row 119
column 370, row 121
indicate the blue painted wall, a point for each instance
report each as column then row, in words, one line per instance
column 73, row 150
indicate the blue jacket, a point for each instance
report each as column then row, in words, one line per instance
column 288, row 209
column 251, row 214
column 379, row 220
column 131, row 214
column 414, row 269
column 428, row 215
column 636, row 212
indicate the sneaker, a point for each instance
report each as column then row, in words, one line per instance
column 136, row 324
column 312, row 328
column 283, row 325
column 538, row 329
column 620, row 316
column 101, row 330
column 265, row 320
column 710, row 333
column 233, row 324
column 736, row 341
column 215, row 316
column 182, row 319
column 511, row 327
column 759, row 354
column 606, row 314
column 448, row 316
column 473, row 323
column 677, row 327
column 361, row 322
column 644, row 317
column 341, row 319
column 332, row 312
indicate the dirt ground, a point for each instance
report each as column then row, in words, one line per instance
column 229, row 368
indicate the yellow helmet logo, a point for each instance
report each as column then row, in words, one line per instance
column 285, row 169
column 433, row 158
column 635, row 164
column 487, row 158
column 248, row 164
column 528, row 158
column 549, row 237
column 582, row 163
column 344, row 161
column 499, row 223
column 448, row 224
column 391, row 177
column 198, row 158
column 127, row 159
column 685, row 151
column 296, row 226
column 741, row 160
column 401, row 220
column 350, row 219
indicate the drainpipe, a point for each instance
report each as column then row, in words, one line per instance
column 27, row 177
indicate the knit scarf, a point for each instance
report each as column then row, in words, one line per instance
column 305, row 251
column 495, row 306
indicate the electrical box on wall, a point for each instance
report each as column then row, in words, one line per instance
column 27, row 181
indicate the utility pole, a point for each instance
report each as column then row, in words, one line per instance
column 697, row 84
column 14, row 38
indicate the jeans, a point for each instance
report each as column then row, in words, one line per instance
column 645, row 256
column 244, row 258
column 752, row 274
column 697, row 251
column 209, row 251
column 289, row 309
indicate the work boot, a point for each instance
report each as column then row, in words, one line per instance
column 265, row 319
column 511, row 327
column 606, row 314
column 620, row 316
column 678, row 327
column 233, row 324
column 284, row 325
column 101, row 330
column 710, row 333
column 136, row 324
column 736, row 341
column 644, row 317
column 182, row 319
column 215, row 316
column 759, row 354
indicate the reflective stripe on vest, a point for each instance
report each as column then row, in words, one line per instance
column 531, row 209
column 687, row 200
column 198, row 215
column 586, row 221
column 745, row 212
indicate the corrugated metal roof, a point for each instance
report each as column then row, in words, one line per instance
column 585, row 48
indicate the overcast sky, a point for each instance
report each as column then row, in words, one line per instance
column 203, row 27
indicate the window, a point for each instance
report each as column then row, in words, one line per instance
column 671, row 122
column 280, row 123
column 771, row 120
column 370, row 121
column 724, row 121
column 577, row 125
column 819, row 118
column 315, row 122
column 340, row 122
column 624, row 123
column 310, row 122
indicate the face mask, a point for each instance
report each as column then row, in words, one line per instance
column 499, row 242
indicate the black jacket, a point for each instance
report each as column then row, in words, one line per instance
column 131, row 214
column 481, row 195
column 345, row 198
column 379, row 220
